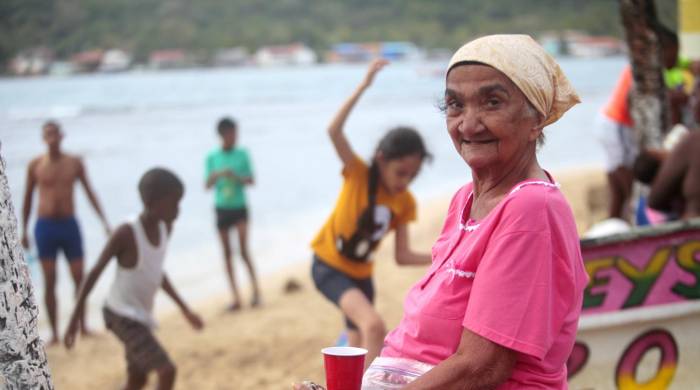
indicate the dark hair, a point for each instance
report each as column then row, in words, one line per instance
column 226, row 124
column 157, row 183
column 397, row 143
column 645, row 167
column 51, row 123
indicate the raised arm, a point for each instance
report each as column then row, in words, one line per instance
column 27, row 203
column 403, row 252
column 193, row 318
column 114, row 247
column 335, row 129
column 82, row 176
column 477, row 364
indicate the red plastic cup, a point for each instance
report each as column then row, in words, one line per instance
column 344, row 367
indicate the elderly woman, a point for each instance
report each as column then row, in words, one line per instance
column 499, row 306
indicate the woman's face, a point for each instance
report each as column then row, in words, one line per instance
column 489, row 119
column 398, row 173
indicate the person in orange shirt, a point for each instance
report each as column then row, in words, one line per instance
column 615, row 131
column 373, row 200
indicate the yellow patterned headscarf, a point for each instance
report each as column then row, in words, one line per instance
column 528, row 66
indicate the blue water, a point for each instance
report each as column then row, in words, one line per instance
column 123, row 124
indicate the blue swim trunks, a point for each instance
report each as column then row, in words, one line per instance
column 52, row 234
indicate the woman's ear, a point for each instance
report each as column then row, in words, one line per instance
column 537, row 128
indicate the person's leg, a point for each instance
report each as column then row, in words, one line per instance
column 354, row 338
column 143, row 351
column 47, row 237
column 166, row 376
column 228, row 264
column 358, row 308
column 135, row 381
column 620, row 181
column 48, row 268
column 76, row 272
column 354, row 298
column 242, row 228
column 72, row 245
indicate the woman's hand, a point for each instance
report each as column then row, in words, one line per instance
column 307, row 385
column 374, row 67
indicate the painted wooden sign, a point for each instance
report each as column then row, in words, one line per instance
column 640, row 327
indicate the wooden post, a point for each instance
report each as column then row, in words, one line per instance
column 648, row 105
column 23, row 362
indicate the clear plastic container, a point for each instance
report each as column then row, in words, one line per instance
column 392, row 373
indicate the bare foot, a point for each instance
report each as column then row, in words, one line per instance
column 86, row 333
column 234, row 307
column 53, row 342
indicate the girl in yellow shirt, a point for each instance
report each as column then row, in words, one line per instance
column 373, row 200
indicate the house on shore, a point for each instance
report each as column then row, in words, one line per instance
column 87, row 61
column 294, row 54
column 31, row 62
column 234, row 56
column 365, row 51
column 115, row 60
column 169, row 59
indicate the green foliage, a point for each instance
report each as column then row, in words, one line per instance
column 69, row 26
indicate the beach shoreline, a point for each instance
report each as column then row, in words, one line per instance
column 275, row 345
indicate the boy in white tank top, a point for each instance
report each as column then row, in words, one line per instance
column 139, row 247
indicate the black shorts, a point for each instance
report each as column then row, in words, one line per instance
column 225, row 218
column 333, row 283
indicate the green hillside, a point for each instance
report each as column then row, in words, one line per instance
column 69, row 26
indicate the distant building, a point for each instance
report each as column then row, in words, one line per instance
column 352, row 52
column 87, row 61
column 553, row 43
column 294, row 54
column 115, row 60
column 589, row 46
column 235, row 56
column 365, row 51
column 400, row 51
column 168, row 59
column 31, row 62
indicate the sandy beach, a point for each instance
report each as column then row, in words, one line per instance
column 279, row 343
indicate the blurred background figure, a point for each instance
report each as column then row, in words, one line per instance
column 676, row 186
column 615, row 129
column 228, row 170
column 54, row 174
column 374, row 199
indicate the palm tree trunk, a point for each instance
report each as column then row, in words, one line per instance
column 648, row 105
column 23, row 362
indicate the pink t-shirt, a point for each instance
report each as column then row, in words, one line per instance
column 516, row 278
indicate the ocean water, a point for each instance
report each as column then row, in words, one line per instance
column 123, row 124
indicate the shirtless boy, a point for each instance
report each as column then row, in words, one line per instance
column 55, row 174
